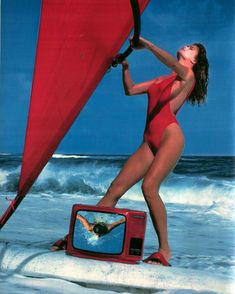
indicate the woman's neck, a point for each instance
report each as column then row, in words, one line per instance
column 185, row 62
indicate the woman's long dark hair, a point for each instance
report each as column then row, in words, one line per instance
column 200, row 70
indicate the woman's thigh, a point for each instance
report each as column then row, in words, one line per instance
column 166, row 157
column 135, row 167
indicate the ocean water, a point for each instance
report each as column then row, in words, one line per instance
column 199, row 197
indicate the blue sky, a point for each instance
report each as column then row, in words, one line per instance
column 112, row 123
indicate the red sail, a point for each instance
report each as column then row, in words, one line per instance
column 77, row 42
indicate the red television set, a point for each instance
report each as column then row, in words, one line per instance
column 105, row 233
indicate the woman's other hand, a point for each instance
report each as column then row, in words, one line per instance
column 125, row 64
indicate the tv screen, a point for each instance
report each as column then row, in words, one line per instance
column 106, row 233
column 99, row 232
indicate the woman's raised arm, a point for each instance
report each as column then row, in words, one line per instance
column 170, row 61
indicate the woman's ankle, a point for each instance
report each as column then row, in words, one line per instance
column 166, row 252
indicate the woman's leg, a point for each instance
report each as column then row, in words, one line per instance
column 165, row 160
column 134, row 170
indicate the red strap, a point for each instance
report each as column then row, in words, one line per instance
column 12, row 202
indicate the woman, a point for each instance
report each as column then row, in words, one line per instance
column 163, row 138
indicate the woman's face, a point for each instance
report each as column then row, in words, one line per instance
column 189, row 52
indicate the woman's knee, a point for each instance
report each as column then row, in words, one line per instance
column 150, row 188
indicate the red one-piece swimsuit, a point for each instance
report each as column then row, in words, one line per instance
column 159, row 113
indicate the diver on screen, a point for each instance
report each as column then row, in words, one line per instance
column 99, row 228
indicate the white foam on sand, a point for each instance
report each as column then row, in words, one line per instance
column 35, row 262
column 18, row 284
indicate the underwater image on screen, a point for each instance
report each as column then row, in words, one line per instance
column 99, row 232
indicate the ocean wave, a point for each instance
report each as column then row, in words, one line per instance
column 51, row 181
column 214, row 167
column 9, row 180
column 61, row 156
column 93, row 157
column 95, row 178
column 78, row 175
